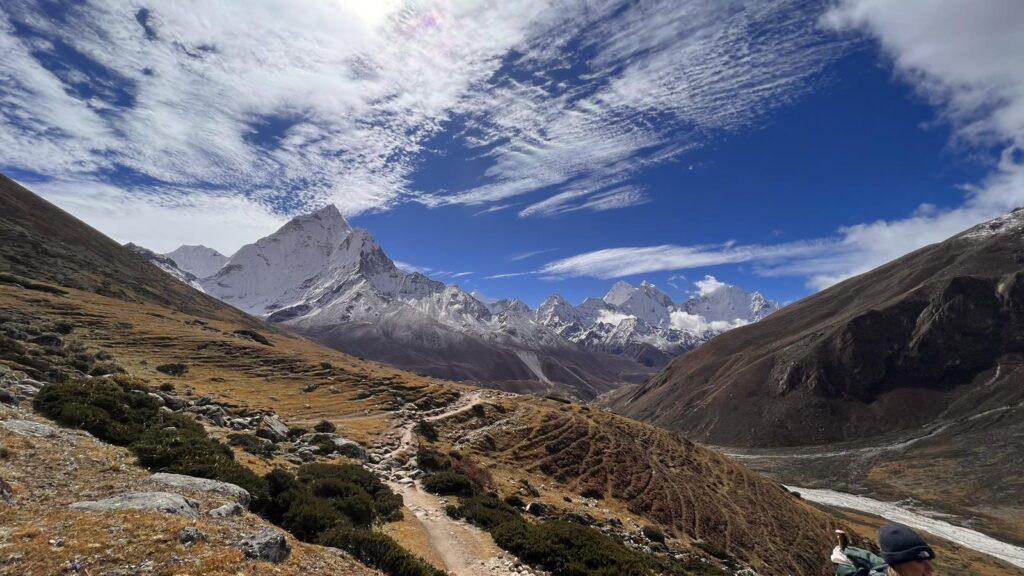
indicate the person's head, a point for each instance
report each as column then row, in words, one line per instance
column 906, row 553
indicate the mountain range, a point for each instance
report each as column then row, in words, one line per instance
column 320, row 276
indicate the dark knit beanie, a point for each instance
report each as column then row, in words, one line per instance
column 901, row 544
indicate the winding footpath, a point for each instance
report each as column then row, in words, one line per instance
column 464, row 549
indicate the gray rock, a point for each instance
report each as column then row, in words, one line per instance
column 29, row 428
column 7, row 398
column 159, row 399
column 227, row 511
column 33, row 383
column 241, row 495
column 268, row 545
column 191, row 536
column 350, row 448
column 165, row 502
column 325, row 426
column 273, row 429
column 6, row 492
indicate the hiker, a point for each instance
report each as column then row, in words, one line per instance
column 906, row 553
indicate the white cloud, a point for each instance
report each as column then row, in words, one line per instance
column 698, row 324
column 660, row 76
column 708, row 285
column 525, row 255
column 407, row 267
column 621, row 262
column 166, row 220
column 610, row 317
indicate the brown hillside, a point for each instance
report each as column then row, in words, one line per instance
column 936, row 334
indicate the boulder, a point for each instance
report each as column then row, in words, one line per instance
column 350, row 448
column 227, row 511
column 325, row 426
column 6, row 492
column 190, row 536
column 241, row 495
column 29, row 428
column 7, row 398
column 268, row 545
column 273, row 429
column 165, row 502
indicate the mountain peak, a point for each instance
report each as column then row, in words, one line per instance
column 198, row 260
column 328, row 217
column 619, row 293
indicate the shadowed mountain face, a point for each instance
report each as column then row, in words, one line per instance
column 42, row 242
column 931, row 337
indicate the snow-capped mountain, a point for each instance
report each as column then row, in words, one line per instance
column 320, row 276
column 199, row 261
column 166, row 264
column 644, row 323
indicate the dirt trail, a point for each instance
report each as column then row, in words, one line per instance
column 465, row 549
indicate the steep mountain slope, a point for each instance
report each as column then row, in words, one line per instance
column 40, row 241
column 199, row 261
column 937, row 334
column 705, row 501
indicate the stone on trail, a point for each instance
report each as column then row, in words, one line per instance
column 165, row 502
column 241, row 495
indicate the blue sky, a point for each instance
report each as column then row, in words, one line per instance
column 521, row 147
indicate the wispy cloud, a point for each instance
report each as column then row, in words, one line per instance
column 525, row 255
column 508, row 275
column 629, row 261
column 655, row 79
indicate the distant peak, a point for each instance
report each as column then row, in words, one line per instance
column 619, row 293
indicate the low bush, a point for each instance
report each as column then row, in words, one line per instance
column 432, row 460
column 449, row 483
column 486, row 511
column 379, row 551
column 427, row 430
column 567, row 549
column 653, row 533
column 109, row 411
column 173, row 369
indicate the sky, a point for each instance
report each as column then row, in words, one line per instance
column 522, row 147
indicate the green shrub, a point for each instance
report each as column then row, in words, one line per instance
column 653, row 533
column 567, row 549
column 358, row 508
column 173, row 369
column 167, row 387
column 427, row 430
column 432, row 460
column 253, row 445
column 448, row 483
column 307, row 517
column 105, row 409
column 378, row 551
column 515, row 501
column 486, row 511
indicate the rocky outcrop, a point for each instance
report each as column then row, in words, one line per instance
column 165, row 502
column 267, row 545
column 241, row 495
